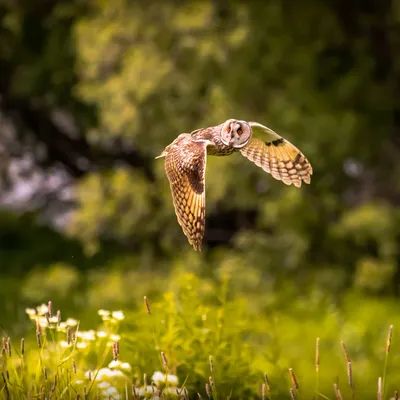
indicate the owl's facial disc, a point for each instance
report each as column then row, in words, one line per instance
column 235, row 133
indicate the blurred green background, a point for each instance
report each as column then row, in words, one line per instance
column 92, row 91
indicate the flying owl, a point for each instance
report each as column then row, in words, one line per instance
column 185, row 166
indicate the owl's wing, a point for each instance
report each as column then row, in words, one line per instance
column 278, row 157
column 185, row 166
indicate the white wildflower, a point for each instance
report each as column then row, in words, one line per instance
column 101, row 334
column 30, row 311
column 42, row 309
column 103, row 313
column 119, row 315
column 103, row 373
column 79, row 382
column 63, row 343
column 103, row 385
column 159, row 377
column 126, row 366
column 87, row 335
column 81, row 345
column 62, row 327
column 111, row 392
column 53, row 320
column 42, row 322
column 114, row 364
column 71, row 322
column 115, row 338
column 108, row 373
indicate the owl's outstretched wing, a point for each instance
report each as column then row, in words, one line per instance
column 278, row 157
column 185, row 166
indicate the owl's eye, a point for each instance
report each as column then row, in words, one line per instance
column 239, row 131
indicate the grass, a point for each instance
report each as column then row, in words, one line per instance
column 198, row 342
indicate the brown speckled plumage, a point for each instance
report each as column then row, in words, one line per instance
column 185, row 166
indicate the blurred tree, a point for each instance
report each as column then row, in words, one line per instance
column 91, row 92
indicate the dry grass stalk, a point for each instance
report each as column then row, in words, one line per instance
column 293, row 378
column 211, row 363
column 317, row 355
column 5, row 386
column 145, row 381
column 146, row 304
column 58, row 318
column 74, row 366
column 68, row 334
column 346, row 353
column 389, row 339
column 379, row 388
column 115, row 351
column 292, row 394
column 396, row 395
column 50, row 308
column 350, row 374
column 208, row 390
column 9, row 346
column 134, row 394
column 266, row 381
column 337, row 392
column 199, row 396
column 22, row 346
column 164, row 360
column 263, row 391
column 212, row 384
column 38, row 333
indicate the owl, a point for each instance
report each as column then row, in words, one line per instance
column 186, row 158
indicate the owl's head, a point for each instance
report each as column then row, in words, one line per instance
column 235, row 133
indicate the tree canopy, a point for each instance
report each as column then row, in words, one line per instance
column 91, row 92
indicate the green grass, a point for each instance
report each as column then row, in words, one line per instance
column 199, row 340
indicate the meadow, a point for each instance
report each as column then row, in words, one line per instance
column 199, row 339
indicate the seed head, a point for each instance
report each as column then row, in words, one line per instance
column 146, row 304
column 74, row 366
column 389, row 339
column 211, row 363
column 263, row 391
column 346, row 353
column 293, row 378
column 208, row 390
column 350, row 374
column 212, row 384
column 9, row 346
column 379, row 388
column 337, row 392
column 164, row 359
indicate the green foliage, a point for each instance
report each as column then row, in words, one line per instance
column 175, row 333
